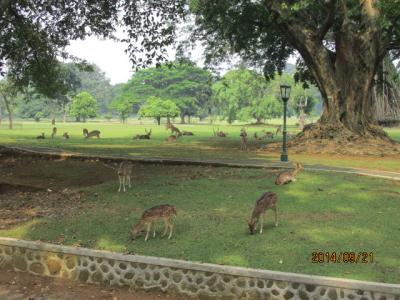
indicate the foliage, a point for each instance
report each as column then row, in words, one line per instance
column 182, row 82
column 34, row 33
column 83, row 106
column 124, row 105
column 158, row 108
column 243, row 94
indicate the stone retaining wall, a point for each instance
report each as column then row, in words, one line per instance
column 204, row 281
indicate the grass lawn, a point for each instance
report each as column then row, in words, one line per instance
column 319, row 212
column 116, row 139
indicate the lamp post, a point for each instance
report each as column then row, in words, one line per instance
column 285, row 94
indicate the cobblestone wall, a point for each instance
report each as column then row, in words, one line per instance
column 204, row 281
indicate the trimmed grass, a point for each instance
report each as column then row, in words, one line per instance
column 319, row 212
column 116, row 139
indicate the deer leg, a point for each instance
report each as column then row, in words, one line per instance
column 120, row 183
column 148, row 230
column 171, row 227
column 123, row 182
column 261, row 222
column 276, row 215
column 166, row 227
column 129, row 181
column 154, row 230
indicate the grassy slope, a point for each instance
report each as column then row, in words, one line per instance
column 117, row 139
column 319, row 212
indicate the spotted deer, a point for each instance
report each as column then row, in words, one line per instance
column 160, row 212
column 53, row 133
column 40, row 137
column 66, row 135
column 288, row 176
column 124, row 172
column 267, row 200
column 173, row 128
column 90, row 134
column 268, row 135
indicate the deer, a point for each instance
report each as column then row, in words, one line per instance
column 219, row 133
column 172, row 138
column 243, row 139
column 163, row 211
column 268, row 200
column 40, row 137
column 54, row 132
column 268, row 135
column 92, row 133
column 173, row 128
column 288, row 176
column 187, row 132
column 256, row 137
column 143, row 136
column 65, row 135
column 278, row 130
column 124, row 172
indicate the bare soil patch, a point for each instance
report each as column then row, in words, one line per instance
column 17, row 285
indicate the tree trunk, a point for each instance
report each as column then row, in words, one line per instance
column 258, row 120
column 182, row 119
column 9, row 111
column 189, row 119
column 158, row 120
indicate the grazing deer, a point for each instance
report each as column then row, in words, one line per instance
column 243, row 139
column 40, row 137
column 66, row 135
column 187, row 133
column 164, row 211
column 173, row 128
column 90, row 134
column 288, row 176
column 54, row 132
column 124, row 174
column 143, row 136
column 266, row 201
column 278, row 130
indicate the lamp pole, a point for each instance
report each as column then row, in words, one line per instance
column 285, row 94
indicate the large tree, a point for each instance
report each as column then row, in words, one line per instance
column 341, row 43
column 181, row 81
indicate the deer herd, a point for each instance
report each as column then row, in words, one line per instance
column 166, row 212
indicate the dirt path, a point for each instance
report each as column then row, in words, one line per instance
column 24, row 286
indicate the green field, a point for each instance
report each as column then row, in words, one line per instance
column 116, row 139
column 319, row 212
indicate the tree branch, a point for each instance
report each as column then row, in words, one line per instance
column 323, row 29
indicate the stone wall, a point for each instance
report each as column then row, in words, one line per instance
column 204, row 281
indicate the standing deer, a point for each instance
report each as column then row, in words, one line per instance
column 90, row 134
column 278, row 130
column 143, row 136
column 40, row 137
column 124, row 174
column 268, row 135
column 164, row 211
column 243, row 139
column 66, row 135
column 288, row 176
column 54, row 132
column 266, row 201
column 173, row 128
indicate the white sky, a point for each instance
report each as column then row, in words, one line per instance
column 110, row 56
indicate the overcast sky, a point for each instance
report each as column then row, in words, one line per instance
column 110, row 56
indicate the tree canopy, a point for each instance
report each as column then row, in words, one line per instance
column 83, row 106
column 156, row 107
